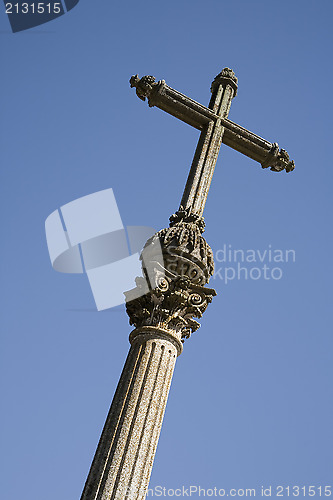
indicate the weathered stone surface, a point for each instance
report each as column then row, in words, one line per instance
column 171, row 306
column 185, row 251
column 124, row 457
column 186, row 109
column 176, row 293
column 171, row 294
column 163, row 319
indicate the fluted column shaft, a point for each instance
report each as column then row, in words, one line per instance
column 124, row 457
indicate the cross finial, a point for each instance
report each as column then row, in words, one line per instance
column 227, row 76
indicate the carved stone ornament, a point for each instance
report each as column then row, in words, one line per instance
column 227, row 76
column 198, row 116
column 145, row 86
column 171, row 306
column 185, row 251
column 176, row 263
column 278, row 160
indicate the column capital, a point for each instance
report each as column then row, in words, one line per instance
column 168, row 310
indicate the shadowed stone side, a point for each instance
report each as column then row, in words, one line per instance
column 125, row 453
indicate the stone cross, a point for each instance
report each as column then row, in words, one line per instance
column 215, row 128
column 170, row 294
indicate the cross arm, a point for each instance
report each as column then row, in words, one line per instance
column 159, row 94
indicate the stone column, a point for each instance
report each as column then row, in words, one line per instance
column 125, row 453
column 161, row 308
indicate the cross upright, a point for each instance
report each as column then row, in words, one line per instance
column 170, row 294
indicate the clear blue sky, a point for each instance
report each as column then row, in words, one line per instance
column 251, row 398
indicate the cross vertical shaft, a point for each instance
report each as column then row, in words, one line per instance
column 224, row 88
